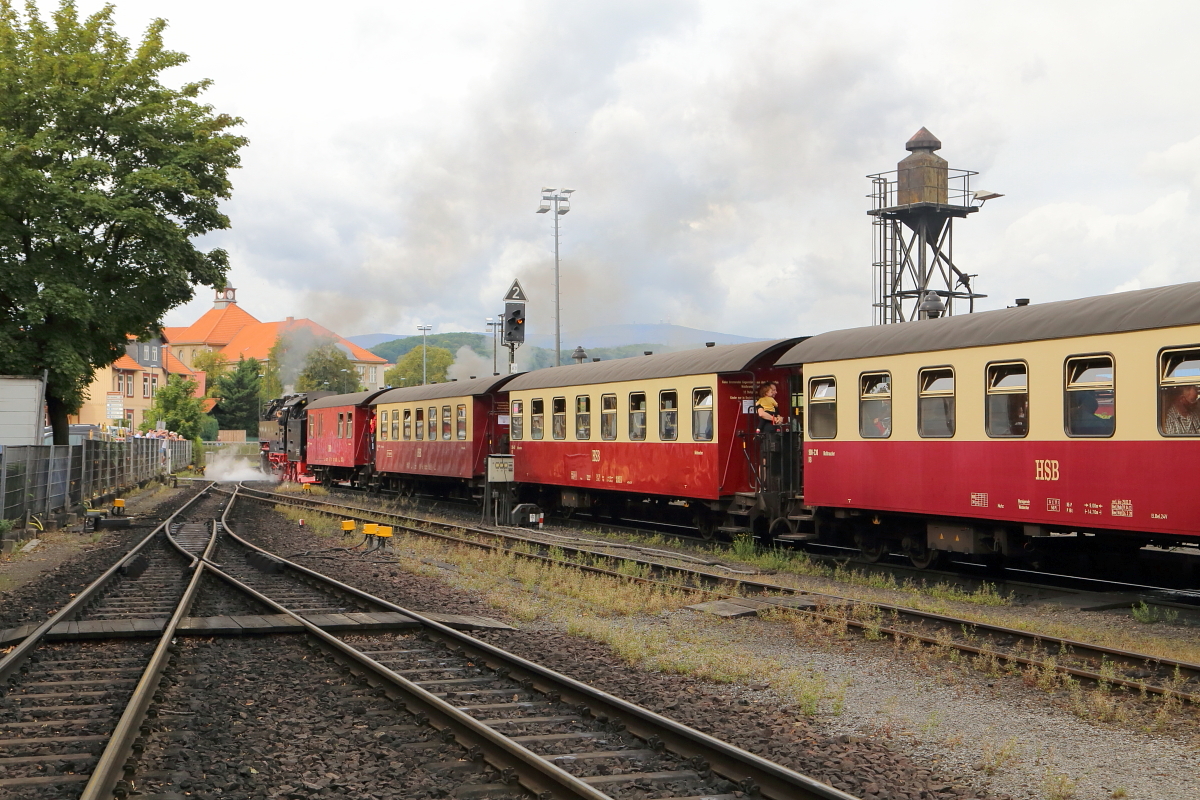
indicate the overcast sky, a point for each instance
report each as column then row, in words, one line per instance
column 718, row 150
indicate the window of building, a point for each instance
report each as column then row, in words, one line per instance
column 461, row 421
column 583, row 417
column 431, row 420
column 420, row 423
column 119, row 378
column 875, row 405
column 383, row 426
column 1179, row 393
column 153, row 385
column 537, row 409
column 154, row 353
column 145, row 385
column 668, row 415
column 129, row 415
column 822, row 408
column 935, row 402
column 446, row 423
column 129, row 384
column 558, row 418
column 1090, row 407
column 374, row 375
column 407, row 434
column 637, row 416
column 608, row 417
column 1007, row 409
column 702, row 415
column 516, row 420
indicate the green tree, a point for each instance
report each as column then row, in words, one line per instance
column 398, row 348
column 213, row 364
column 407, row 371
column 177, row 405
column 327, row 368
column 238, row 390
column 107, row 178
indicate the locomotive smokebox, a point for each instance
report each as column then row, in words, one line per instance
column 923, row 177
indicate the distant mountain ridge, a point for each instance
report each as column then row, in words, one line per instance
column 675, row 337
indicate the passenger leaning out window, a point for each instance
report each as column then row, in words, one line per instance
column 766, row 408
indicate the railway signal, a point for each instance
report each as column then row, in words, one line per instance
column 514, row 323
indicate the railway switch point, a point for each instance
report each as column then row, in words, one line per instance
column 347, row 527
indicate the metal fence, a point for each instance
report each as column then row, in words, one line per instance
column 41, row 479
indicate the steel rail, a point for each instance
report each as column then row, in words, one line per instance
column 13, row 661
column 1077, row 648
column 739, row 766
column 110, row 767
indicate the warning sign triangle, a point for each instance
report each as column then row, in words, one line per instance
column 516, row 294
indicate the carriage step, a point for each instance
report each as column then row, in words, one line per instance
column 797, row 537
column 801, row 517
column 732, row 530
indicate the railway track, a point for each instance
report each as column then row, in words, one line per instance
column 499, row 725
column 1138, row 672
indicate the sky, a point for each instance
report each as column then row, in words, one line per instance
column 718, row 151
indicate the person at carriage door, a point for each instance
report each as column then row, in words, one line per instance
column 766, row 408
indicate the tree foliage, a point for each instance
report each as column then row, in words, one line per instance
column 213, row 364
column 398, row 348
column 238, row 389
column 328, row 369
column 106, row 178
column 407, row 371
column 177, row 405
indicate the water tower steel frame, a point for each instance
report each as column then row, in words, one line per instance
column 913, row 209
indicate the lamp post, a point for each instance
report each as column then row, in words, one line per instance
column 558, row 200
column 424, row 329
column 494, row 328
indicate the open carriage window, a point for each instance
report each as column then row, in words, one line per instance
column 935, row 403
column 419, row 423
column 408, row 423
column 558, row 420
column 583, row 417
column 516, row 420
column 1090, row 403
column 668, row 415
column 461, row 421
column 702, row 414
column 445, row 423
column 1007, row 411
column 537, row 418
column 875, row 405
column 431, row 421
column 637, row 416
column 1179, row 393
column 383, row 426
column 822, row 408
column 608, row 417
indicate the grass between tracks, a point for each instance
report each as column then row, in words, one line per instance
column 643, row 625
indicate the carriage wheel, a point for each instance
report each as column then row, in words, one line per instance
column 925, row 557
column 872, row 548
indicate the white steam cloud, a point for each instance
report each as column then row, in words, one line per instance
column 227, row 467
column 467, row 363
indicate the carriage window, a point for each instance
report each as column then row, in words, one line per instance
column 350, row 425
column 419, row 423
column 321, row 425
column 461, row 418
column 445, row 422
column 1179, row 393
column 583, row 417
column 702, row 415
column 1090, row 397
column 408, row 423
column 383, row 423
column 875, row 406
column 822, row 408
column 935, row 403
column 312, row 425
column 608, row 417
column 1007, row 409
column 395, row 425
column 341, row 418
column 637, row 416
column 559, row 419
column 537, row 418
column 516, row 420
column 668, row 415
column 431, row 419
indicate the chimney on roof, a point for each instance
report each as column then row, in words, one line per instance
column 290, row 320
column 225, row 297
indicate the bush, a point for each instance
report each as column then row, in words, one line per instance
column 6, row 525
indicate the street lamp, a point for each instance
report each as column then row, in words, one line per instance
column 560, row 201
column 494, row 327
column 424, row 329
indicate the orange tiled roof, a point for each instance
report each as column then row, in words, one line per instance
column 256, row 341
column 170, row 334
column 175, row 366
column 125, row 362
column 208, row 404
column 218, row 326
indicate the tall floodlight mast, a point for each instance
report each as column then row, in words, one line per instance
column 558, row 201
column 913, row 209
